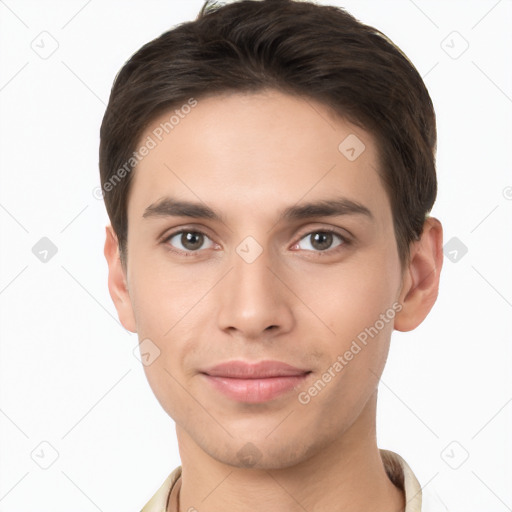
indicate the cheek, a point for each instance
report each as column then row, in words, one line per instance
column 167, row 306
column 359, row 309
column 357, row 304
column 163, row 294
column 351, row 298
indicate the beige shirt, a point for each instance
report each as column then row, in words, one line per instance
column 399, row 472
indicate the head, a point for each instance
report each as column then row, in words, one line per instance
column 307, row 141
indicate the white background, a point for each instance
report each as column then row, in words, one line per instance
column 68, row 374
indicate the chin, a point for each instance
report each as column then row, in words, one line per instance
column 260, row 454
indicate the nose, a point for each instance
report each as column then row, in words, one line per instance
column 254, row 301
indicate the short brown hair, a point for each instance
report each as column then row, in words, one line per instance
column 301, row 48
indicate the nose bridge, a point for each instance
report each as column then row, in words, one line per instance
column 251, row 269
column 252, row 279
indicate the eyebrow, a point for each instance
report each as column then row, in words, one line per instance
column 171, row 207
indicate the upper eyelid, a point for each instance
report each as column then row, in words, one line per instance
column 179, row 231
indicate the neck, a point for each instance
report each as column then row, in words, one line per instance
column 345, row 475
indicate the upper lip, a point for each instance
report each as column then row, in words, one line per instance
column 262, row 369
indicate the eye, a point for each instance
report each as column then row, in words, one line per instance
column 186, row 241
column 322, row 240
column 189, row 240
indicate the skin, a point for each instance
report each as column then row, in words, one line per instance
column 249, row 156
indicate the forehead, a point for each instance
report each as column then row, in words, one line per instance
column 255, row 148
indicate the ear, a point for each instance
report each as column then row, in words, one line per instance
column 421, row 278
column 117, row 284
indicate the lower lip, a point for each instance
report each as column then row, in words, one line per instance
column 255, row 390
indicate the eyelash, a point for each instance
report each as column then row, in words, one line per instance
column 345, row 241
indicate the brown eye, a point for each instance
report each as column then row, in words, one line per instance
column 187, row 240
column 322, row 240
column 191, row 240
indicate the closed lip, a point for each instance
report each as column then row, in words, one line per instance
column 260, row 370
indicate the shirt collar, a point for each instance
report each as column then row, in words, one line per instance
column 396, row 467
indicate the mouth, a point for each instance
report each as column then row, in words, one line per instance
column 254, row 382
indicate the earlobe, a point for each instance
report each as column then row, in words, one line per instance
column 421, row 280
column 117, row 282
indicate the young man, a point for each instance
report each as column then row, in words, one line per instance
column 268, row 170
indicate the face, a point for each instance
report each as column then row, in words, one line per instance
column 247, row 272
